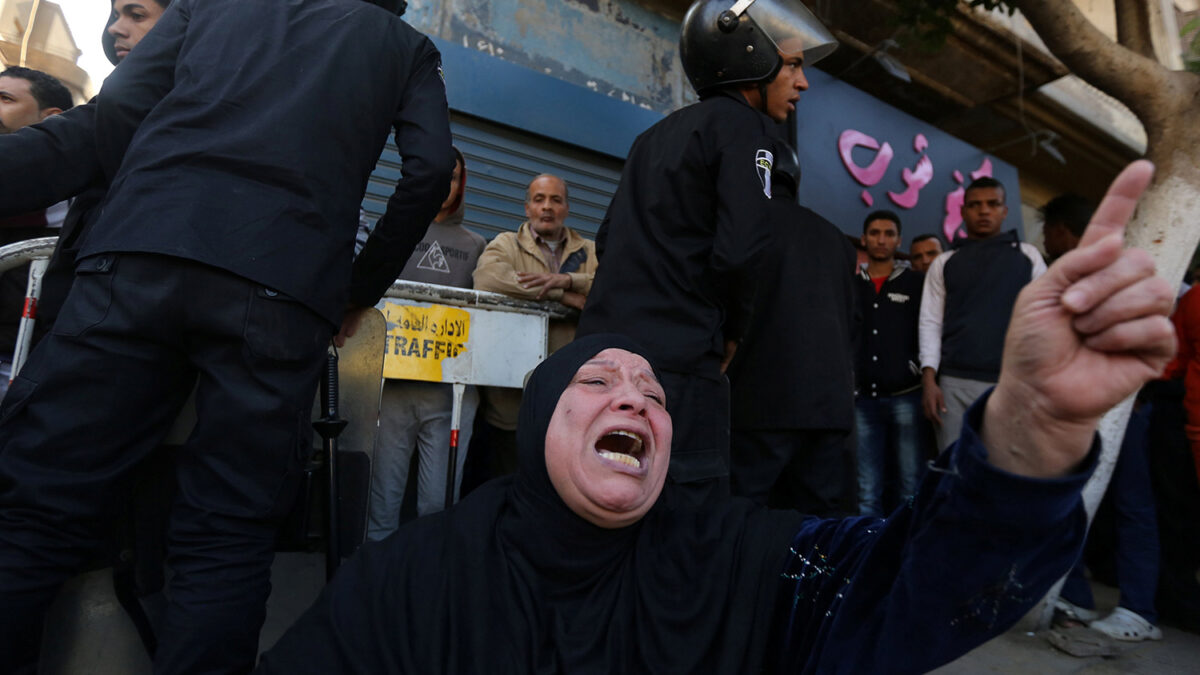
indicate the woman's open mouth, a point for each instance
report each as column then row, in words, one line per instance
column 623, row 447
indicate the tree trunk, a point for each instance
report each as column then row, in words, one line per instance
column 1165, row 224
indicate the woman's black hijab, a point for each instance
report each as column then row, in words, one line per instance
column 512, row 581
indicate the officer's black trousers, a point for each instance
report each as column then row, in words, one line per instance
column 813, row 471
column 699, row 408
column 136, row 333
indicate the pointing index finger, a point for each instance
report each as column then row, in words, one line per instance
column 1119, row 202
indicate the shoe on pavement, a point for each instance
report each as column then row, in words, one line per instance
column 1125, row 625
column 1075, row 612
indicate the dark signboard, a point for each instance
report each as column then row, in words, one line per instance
column 859, row 154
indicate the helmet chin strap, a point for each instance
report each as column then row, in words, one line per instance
column 766, row 82
column 762, row 97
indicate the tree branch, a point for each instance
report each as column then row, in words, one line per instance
column 1137, row 81
column 1133, row 27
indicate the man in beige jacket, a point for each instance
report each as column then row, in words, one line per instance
column 543, row 260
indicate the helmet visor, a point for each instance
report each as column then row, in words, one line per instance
column 793, row 28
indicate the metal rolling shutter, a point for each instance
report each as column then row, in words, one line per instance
column 500, row 163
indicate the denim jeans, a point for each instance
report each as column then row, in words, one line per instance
column 893, row 442
column 1136, row 527
column 415, row 416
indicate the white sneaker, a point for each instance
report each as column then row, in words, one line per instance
column 1125, row 625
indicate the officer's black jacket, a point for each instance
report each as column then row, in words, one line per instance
column 794, row 368
column 683, row 229
column 241, row 134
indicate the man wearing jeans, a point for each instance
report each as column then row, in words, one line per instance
column 887, row 408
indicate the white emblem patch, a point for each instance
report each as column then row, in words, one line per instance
column 764, row 161
column 434, row 260
column 898, row 297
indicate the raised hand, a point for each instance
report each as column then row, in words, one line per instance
column 1084, row 336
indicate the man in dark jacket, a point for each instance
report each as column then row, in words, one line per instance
column 238, row 137
column 46, row 183
column 792, row 382
column 27, row 97
column 892, row 432
column 692, row 214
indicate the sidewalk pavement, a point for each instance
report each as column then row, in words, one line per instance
column 1025, row 653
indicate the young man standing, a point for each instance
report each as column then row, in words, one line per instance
column 925, row 248
column 691, row 216
column 891, row 429
column 965, row 307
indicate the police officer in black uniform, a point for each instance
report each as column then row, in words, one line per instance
column 691, row 214
column 238, row 137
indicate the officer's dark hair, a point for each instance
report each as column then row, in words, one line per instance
column 1070, row 210
column 566, row 188
column 928, row 235
column 46, row 90
column 882, row 214
column 984, row 182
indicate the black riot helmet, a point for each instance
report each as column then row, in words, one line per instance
column 726, row 42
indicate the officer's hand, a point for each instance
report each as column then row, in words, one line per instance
column 1084, row 336
column 350, row 321
column 730, row 350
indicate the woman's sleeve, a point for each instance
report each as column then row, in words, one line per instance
column 976, row 549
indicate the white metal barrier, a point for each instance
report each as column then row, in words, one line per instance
column 36, row 252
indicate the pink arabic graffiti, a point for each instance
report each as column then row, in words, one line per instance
column 915, row 180
column 952, row 221
column 873, row 172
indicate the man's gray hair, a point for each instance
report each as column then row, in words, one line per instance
column 566, row 188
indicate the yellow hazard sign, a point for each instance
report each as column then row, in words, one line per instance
column 419, row 338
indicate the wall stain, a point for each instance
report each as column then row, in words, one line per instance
column 616, row 47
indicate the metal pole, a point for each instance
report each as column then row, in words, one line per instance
column 33, row 292
column 455, row 423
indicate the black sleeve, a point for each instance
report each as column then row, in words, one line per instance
column 45, row 163
column 422, row 127
column 743, row 223
column 142, row 80
column 853, row 315
column 602, row 238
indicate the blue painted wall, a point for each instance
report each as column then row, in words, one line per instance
column 509, row 94
column 617, row 48
column 831, row 106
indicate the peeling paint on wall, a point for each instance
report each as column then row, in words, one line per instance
column 615, row 47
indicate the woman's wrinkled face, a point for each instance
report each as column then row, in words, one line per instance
column 609, row 442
